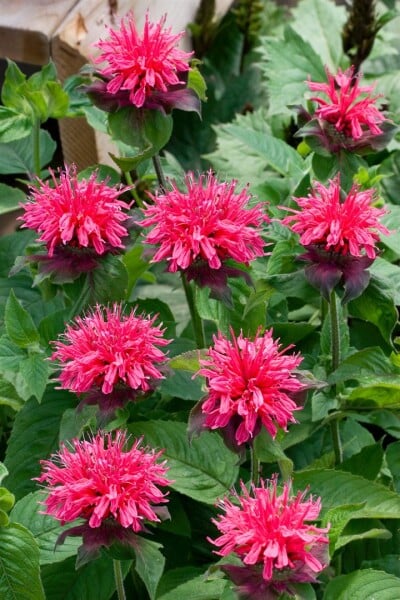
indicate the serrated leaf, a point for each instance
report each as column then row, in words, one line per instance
column 363, row 585
column 45, row 529
column 74, row 422
column 19, row 324
column 320, row 23
column 9, row 396
column 203, row 470
column 35, row 371
column 34, row 437
column 363, row 529
column 290, row 62
column 149, row 564
column 333, row 486
column 94, row 580
column 19, row 564
column 188, row 361
column 109, row 281
column 13, row 125
column 17, row 156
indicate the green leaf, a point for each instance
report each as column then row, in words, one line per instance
column 149, row 564
column 13, row 125
column 197, row 83
column 10, row 198
column 363, row 585
column 393, row 462
column 45, row 529
column 391, row 220
column 181, row 384
column 74, row 422
column 109, row 281
column 103, row 173
column 14, row 78
column 276, row 153
column 35, row 371
column 17, row 156
column 19, row 324
column 181, row 585
column 333, row 486
column 3, row 471
column 367, row 462
column 377, row 306
column 188, row 361
column 19, row 564
column 363, row 529
column 9, row 396
column 290, row 62
column 135, row 266
column 93, row 581
column 33, row 438
column 203, row 470
column 362, row 363
column 320, row 23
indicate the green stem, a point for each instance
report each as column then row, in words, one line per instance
column 335, row 351
column 36, row 147
column 119, row 580
column 135, row 195
column 159, row 172
column 254, row 467
column 196, row 319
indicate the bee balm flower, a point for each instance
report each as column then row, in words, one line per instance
column 340, row 235
column 272, row 535
column 113, row 489
column 144, row 70
column 110, row 356
column 249, row 385
column 199, row 229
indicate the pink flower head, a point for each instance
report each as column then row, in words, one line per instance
column 272, row 535
column 340, row 233
column 347, row 117
column 249, row 384
column 198, row 229
column 145, row 70
column 107, row 353
column 112, row 488
column 81, row 214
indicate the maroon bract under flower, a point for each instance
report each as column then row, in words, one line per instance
column 340, row 235
column 111, row 356
column 113, row 489
column 250, row 384
column 271, row 533
column 199, row 229
column 347, row 117
column 143, row 70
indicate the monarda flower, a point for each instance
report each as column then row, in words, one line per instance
column 271, row 532
column 346, row 117
column 144, row 70
column 250, row 384
column 78, row 220
column 339, row 233
column 110, row 357
column 198, row 230
column 112, row 488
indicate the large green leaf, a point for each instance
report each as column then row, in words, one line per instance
column 336, row 486
column 393, row 462
column 93, row 581
column 376, row 392
column 45, row 529
column 19, row 324
column 149, row 564
column 181, row 584
column 19, row 564
column 34, row 437
column 10, row 198
column 366, row 584
column 290, row 62
column 17, row 156
column 203, row 470
column 320, row 23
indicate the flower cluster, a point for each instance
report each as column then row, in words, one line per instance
column 339, row 232
column 144, row 70
column 110, row 355
column 250, row 384
column 113, row 489
column 271, row 533
column 199, row 229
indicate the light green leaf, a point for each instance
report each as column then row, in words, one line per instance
column 45, row 528
column 35, row 371
column 393, row 462
column 9, row 396
column 366, row 584
column 333, row 486
column 19, row 564
column 10, row 198
column 363, row 529
column 13, row 125
column 203, row 470
column 320, row 23
column 19, row 324
column 188, row 361
column 17, row 156
column 181, row 585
